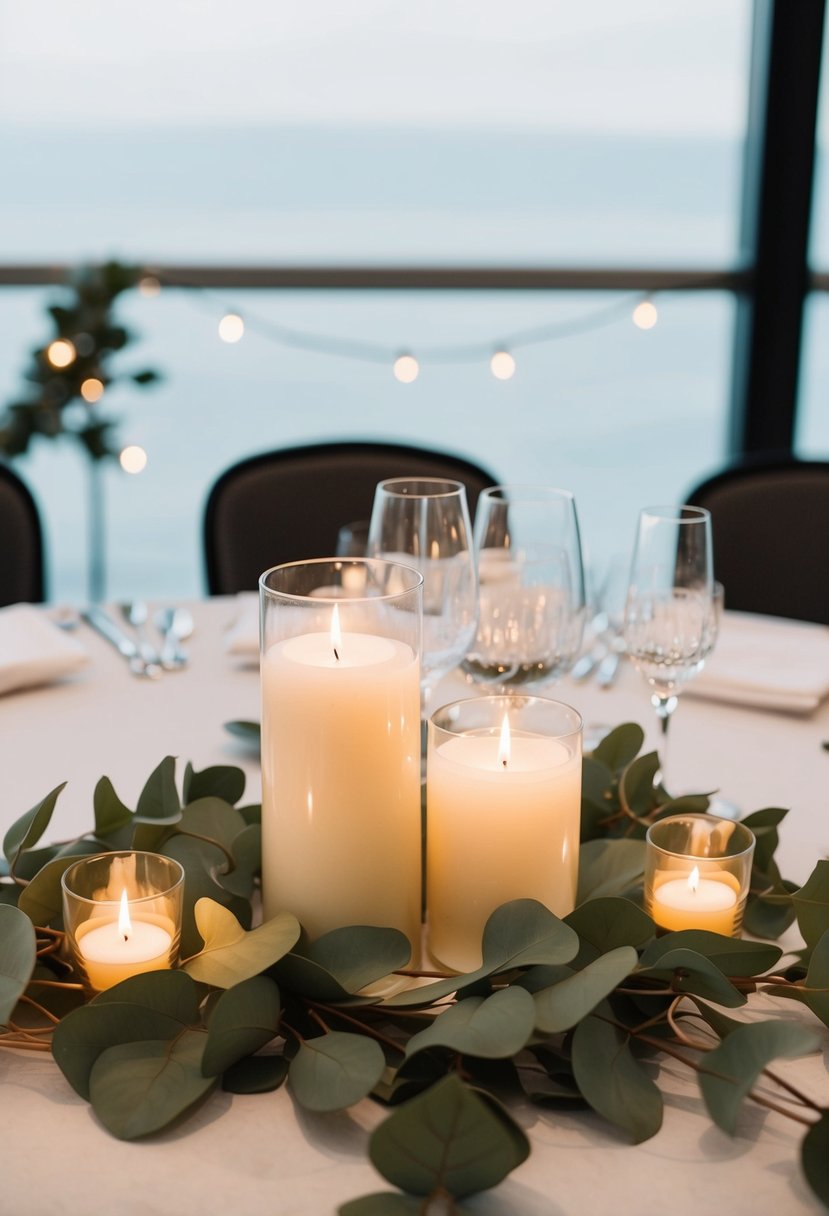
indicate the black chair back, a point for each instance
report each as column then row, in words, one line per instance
column 770, row 522
column 21, row 542
column 289, row 504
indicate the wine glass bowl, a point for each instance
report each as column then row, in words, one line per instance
column 531, row 587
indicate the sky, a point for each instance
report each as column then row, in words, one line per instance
column 649, row 66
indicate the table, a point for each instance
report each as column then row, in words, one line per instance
column 262, row 1154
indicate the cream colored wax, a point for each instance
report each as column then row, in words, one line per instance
column 341, row 782
column 694, row 902
column 110, row 955
column 495, row 833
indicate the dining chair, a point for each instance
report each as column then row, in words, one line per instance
column 21, row 542
column 770, row 522
column 290, row 504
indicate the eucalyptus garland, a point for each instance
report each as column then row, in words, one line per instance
column 561, row 1012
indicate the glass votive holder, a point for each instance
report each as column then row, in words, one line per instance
column 122, row 915
column 340, row 684
column 698, row 873
column 503, row 811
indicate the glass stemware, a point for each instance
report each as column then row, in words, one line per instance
column 532, row 603
column 424, row 522
column 670, row 608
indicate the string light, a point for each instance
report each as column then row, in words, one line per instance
column 502, row 365
column 406, row 369
column 645, row 315
column 231, row 327
column 92, row 389
column 132, row 458
column 149, row 286
column 61, row 352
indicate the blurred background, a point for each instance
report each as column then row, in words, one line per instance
column 605, row 172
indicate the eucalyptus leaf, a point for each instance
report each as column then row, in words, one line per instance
column 730, row 1070
column 449, row 1139
column 213, row 818
column 732, row 955
column 811, row 904
column 138, row 1088
column 636, row 783
column 606, row 923
column 814, row 990
column 110, row 812
column 335, row 1070
column 814, row 1151
column 169, row 992
column 494, row 1027
column 360, row 954
column 83, row 1035
column 764, row 825
column 256, row 1075
column 18, row 954
column 28, row 829
column 218, row 781
column 10, row 894
column 620, row 746
column 304, row 976
column 201, row 861
column 389, row 1203
column 245, row 1018
column 230, row 954
column 42, row 899
column 249, row 732
column 158, row 801
column 609, row 868
column 611, row 1079
column 563, row 1005
column 691, row 972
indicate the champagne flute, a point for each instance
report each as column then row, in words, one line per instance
column 532, row 593
column 424, row 522
column 670, row 607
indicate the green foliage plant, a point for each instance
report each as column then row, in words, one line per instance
column 564, row 1014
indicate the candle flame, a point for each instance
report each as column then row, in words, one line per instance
column 693, row 879
column 505, row 746
column 336, row 634
column 124, row 922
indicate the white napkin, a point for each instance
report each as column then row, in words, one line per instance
column 33, row 650
column 767, row 662
column 242, row 638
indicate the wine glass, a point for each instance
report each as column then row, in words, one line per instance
column 532, row 603
column 670, row 609
column 424, row 522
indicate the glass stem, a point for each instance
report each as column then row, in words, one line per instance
column 664, row 707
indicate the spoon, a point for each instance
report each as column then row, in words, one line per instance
column 136, row 614
column 175, row 624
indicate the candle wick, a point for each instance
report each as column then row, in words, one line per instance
column 336, row 656
column 126, row 937
column 504, row 763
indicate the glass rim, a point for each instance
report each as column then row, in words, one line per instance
column 705, row 818
column 113, row 903
column 528, row 492
column 340, row 562
column 682, row 514
column 495, row 699
column 452, row 488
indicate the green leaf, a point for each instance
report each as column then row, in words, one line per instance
column 83, row 1035
column 612, row 1081
column 245, row 1018
column 213, row 818
column 335, row 1070
column 565, row 1004
column 360, row 954
column 814, row 991
column 637, row 783
column 730, row 1070
column 218, row 781
column 169, row 992
column 388, row 1203
column 731, row 955
column 812, row 904
column 494, row 1027
column 618, row 748
column 110, row 812
column 607, row 923
column 764, row 825
column 230, row 954
column 248, row 732
column 449, row 1139
column 18, row 954
column 688, row 971
column 609, row 867
column 201, row 861
column 42, row 899
column 158, row 802
column 138, row 1088
column 814, row 1152
column 29, row 828
column 255, row 1075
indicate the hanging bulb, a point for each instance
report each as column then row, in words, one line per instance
column 645, row 315
column 132, row 458
column 231, row 327
column 502, row 365
column 406, row 369
column 61, row 352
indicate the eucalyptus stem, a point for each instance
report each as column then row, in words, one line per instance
column 364, row 1027
column 50, row 1017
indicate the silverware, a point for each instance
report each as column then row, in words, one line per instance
column 137, row 615
column 608, row 669
column 102, row 623
column 582, row 667
column 174, row 624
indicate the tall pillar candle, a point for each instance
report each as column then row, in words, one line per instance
column 502, row 813
column 341, row 835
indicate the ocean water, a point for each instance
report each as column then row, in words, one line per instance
column 623, row 417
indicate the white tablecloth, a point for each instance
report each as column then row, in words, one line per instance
column 261, row 1154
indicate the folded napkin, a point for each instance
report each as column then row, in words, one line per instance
column 767, row 662
column 33, row 650
column 242, row 638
